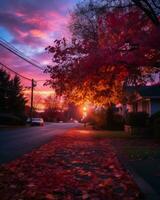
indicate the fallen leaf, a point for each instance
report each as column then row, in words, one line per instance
column 50, row 197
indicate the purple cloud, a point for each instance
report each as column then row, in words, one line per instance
column 32, row 25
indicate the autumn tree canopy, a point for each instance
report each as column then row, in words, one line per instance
column 111, row 47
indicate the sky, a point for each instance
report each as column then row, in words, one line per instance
column 30, row 26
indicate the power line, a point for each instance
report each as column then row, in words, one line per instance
column 3, row 65
column 11, row 46
column 21, row 56
column 15, row 51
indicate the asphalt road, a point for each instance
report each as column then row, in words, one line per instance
column 16, row 142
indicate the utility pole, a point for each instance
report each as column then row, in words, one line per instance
column 33, row 84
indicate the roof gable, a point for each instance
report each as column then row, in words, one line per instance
column 143, row 91
column 150, row 91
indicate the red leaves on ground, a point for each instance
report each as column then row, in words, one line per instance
column 73, row 166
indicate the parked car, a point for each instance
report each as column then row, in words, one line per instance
column 28, row 120
column 36, row 121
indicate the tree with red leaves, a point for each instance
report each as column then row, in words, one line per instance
column 113, row 49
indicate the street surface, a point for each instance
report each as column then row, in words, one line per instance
column 16, row 142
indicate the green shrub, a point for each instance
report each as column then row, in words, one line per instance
column 9, row 119
column 156, row 127
column 108, row 119
column 118, row 122
column 154, row 117
column 98, row 119
column 155, row 124
column 137, row 119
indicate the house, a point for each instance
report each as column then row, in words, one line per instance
column 142, row 99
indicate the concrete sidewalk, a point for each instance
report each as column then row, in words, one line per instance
column 143, row 172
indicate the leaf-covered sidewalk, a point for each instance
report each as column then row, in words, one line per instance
column 73, row 166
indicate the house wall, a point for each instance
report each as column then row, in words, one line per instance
column 139, row 106
column 121, row 110
column 149, row 106
column 143, row 105
column 129, row 108
column 155, row 106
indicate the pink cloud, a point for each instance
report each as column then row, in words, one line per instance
column 34, row 26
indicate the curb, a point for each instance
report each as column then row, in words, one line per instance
column 146, row 189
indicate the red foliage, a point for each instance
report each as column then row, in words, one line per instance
column 127, row 52
column 128, row 38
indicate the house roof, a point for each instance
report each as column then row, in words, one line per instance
column 145, row 91
column 150, row 91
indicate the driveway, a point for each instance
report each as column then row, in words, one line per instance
column 16, row 142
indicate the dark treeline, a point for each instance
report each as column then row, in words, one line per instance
column 12, row 100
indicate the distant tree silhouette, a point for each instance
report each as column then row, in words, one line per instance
column 4, row 90
column 12, row 99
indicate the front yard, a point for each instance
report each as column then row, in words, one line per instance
column 142, row 154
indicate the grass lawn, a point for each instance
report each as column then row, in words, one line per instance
column 135, row 147
column 110, row 134
column 142, row 154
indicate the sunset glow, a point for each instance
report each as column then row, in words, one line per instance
column 79, row 84
column 31, row 35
